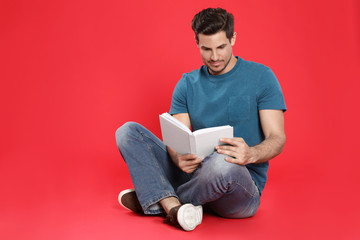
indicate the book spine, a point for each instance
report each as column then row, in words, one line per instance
column 192, row 143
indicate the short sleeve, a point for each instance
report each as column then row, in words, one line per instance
column 179, row 102
column 268, row 92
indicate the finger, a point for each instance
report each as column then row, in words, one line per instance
column 230, row 159
column 227, row 152
column 226, row 140
column 233, row 160
column 188, row 156
column 191, row 168
column 239, row 139
column 236, row 161
column 194, row 162
column 231, row 141
column 199, row 160
column 190, row 163
column 226, row 147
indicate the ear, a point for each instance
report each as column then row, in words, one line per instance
column 197, row 41
column 233, row 39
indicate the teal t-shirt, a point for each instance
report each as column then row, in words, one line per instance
column 233, row 98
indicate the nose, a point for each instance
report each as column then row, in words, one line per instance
column 214, row 56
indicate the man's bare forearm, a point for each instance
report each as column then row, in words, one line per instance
column 268, row 149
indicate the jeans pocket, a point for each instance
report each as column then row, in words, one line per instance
column 239, row 108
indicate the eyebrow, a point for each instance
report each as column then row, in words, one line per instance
column 221, row 46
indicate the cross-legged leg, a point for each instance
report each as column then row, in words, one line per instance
column 154, row 175
column 226, row 188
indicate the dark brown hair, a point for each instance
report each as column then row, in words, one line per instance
column 212, row 20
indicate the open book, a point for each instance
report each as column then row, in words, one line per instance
column 201, row 142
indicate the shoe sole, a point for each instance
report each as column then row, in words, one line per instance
column 121, row 194
column 189, row 216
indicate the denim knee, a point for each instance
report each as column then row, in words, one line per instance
column 216, row 170
column 215, row 166
column 122, row 133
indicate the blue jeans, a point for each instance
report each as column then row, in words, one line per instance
column 225, row 188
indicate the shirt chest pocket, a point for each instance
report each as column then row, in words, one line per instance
column 239, row 108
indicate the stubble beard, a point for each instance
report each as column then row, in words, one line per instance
column 212, row 72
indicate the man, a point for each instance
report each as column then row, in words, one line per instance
column 226, row 90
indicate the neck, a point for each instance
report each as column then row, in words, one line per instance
column 232, row 63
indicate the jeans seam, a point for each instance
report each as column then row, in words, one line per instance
column 246, row 190
column 144, row 135
column 231, row 182
column 239, row 184
column 152, row 154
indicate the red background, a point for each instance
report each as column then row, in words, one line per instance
column 73, row 71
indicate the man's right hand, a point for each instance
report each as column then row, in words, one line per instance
column 186, row 162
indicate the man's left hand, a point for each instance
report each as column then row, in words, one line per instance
column 239, row 152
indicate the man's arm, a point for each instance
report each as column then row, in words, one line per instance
column 184, row 118
column 272, row 123
column 187, row 162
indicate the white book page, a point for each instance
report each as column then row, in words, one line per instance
column 212, row 129
column 206, row 141
column 176, row 122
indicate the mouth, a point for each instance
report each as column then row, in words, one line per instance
column 215, row 63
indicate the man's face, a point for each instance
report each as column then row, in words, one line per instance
column 216, row 52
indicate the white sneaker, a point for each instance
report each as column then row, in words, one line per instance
column 187, row 216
